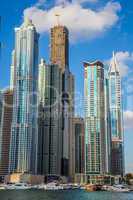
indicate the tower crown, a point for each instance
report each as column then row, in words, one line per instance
column 42, row 62
column 114, row 64
column 27, row 22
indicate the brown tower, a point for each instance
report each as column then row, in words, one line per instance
column 60, row 46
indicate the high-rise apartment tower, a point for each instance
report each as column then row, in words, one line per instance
column 95, row 135
column 24, row 133
column 116, row 119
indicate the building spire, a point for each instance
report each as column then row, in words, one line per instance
column 42, row 61
column 114, row 64
column 27, row 22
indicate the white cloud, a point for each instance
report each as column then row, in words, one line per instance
column 124, row 58
column 83, row 23
column 58, row 2
column 84, row 1
column 75, row 1
column 128, row 119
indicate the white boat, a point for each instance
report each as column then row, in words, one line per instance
column 82, row 187
column 18, row 186
column 2, row 187
column 53, row 186
column 115, row 188
column 50, row 186
column 41, row 187
column 35, row 186
column 120, row 188
column 66, row 186
column 75, row 186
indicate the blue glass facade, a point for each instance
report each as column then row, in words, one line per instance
column 23, row 148
column 95, row 141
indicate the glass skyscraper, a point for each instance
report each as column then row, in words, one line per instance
column 116, row 119
column 51, row 139
column 24, row 133
column 95, row 134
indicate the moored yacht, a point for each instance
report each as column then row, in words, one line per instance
column 116, row 188
column 120, row 188
column 2, row 187
column 18, row 186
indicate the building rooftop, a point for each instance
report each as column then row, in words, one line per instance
column 93, row 63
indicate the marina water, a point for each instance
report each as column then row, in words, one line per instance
column 63, row 195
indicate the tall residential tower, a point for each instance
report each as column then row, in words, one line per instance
column 116, row 119
column 95, row 135
column 24, row 133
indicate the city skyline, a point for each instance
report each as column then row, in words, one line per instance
column 80, row 80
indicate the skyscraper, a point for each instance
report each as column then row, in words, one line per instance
column 95, row 142
column 60, row 46
column 5, row 131
column 116, row 117
column 107, row 124
column 68, row 167
column 41, row 101
column 78, row 125
column 71, row 107
column 60, row 57
column 24, row 133
column 12, row 72
column 50, row 139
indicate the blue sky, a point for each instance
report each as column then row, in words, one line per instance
column 90, row 39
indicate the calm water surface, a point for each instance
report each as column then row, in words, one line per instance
column 63, row 195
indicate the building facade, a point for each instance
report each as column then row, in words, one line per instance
column 24, row 131
column 60, row 56
column 95, row 134
column 12, row 71
column 116, row 119
column 56, row 105
column 1, row 97
column 41, row 104
column 41, row 81
column 107, row 125
column 5, row 131
column 60, row 46
column 68, row 157
column 78, row 124
column 50, row 140
column 71, row 111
